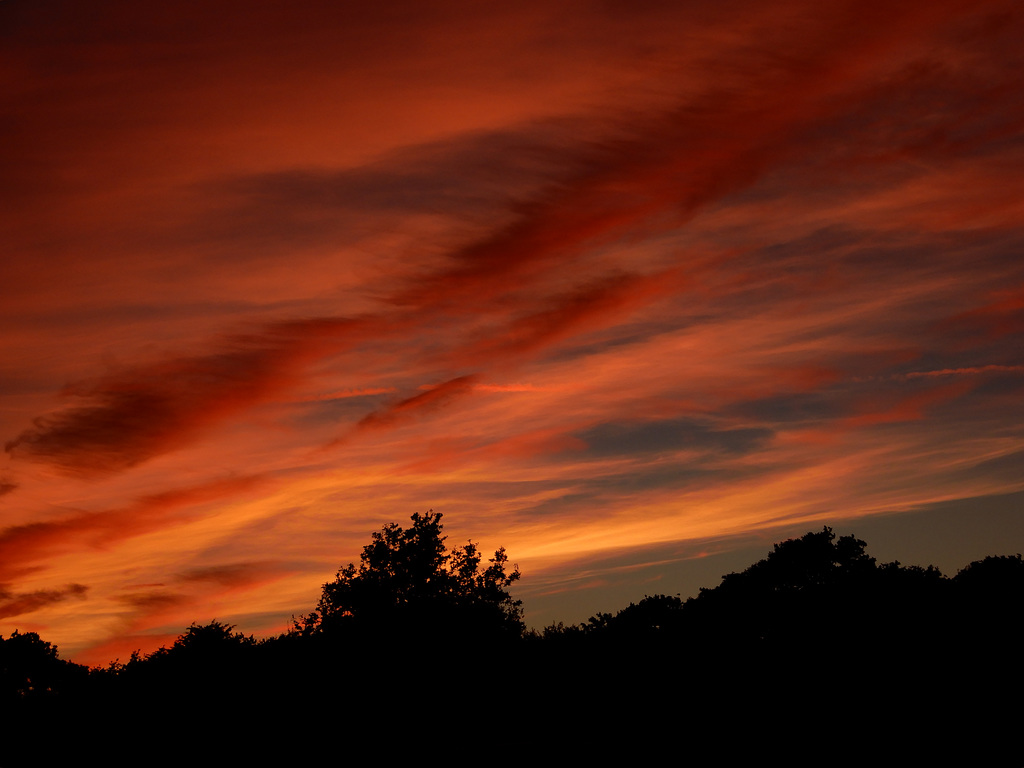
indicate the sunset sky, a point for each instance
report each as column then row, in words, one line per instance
column 633, row 289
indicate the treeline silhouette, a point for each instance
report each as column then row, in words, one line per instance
column 816, row 653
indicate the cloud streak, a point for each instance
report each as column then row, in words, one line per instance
column 135, row 414
column 431, row 400
column 17, row 605
column 26, row 548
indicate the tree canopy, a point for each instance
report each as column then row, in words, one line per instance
column 407, row 580
column 816, row 559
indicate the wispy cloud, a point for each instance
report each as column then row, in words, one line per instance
column 17, row 605
column 976, row 370
column 25, row 548
column 426, row 402
column 140, row 412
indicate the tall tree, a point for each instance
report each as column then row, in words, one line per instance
column 408, row 582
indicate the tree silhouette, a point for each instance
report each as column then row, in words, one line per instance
column 810, row 589
column 988, row 595
column 814, row 640
column 209, row 649
column 31, row 670
column 816, row 559
column 408, row 584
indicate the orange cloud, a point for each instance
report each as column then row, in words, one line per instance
column 176, row 603
column 16, row 605
column 23, row 547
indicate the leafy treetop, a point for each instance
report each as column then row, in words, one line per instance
column 407, row 580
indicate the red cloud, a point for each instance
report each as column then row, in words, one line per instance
column 135, row 414
column 1002, row 316
column 888, row 410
